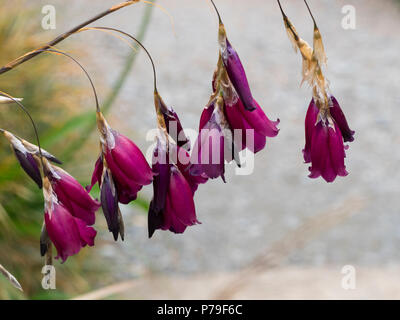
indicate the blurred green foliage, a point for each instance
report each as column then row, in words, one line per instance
column 64, row 127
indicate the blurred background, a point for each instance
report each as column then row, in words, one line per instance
column 270, row 235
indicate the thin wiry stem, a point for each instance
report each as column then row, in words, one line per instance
column 309, row 10
column 83, row 69
column 31, row 119
column 285, row 18
column 216, row 10
column 280, row 7
column 63, row 36
column 139, row 43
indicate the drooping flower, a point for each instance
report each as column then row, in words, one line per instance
column 326, row 127
column 71, row 194
column 327, row 150
column 68, row 233
column 215, row 143
column 28, row 156
column 254, row 127
column 172, row 207
column 232, row 120
column 122, row 165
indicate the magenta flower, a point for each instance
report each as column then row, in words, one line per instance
column 232, row 120
column 68, row 233
column 123, row 168
column 72, row 195
column 172, row 207
column 28, row 156
column 325, row 134
column 129, row 168
column 327, row 152
column 215, row 143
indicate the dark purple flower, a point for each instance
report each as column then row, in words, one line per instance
column 172, row 122
column 338, row 115
column 72, row 195
column 172, row 207
column 235, row 70
column 327, row 151
column 109, row 202
column 28, row 156
column 68, row 233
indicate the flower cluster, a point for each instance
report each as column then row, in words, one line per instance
column 232, row 119
column 231, row 122
column 326, row 127
column 69, row 209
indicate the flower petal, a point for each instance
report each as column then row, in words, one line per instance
column 338, row 115
column 237, row 75
column 69, row 234
column 311, row 119
column 109, row 203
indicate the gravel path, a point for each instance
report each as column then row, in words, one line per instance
column 240, row 219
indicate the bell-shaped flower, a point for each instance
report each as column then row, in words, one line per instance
column 215, row 143
column 28, row 156
column 71, row 194
column 127, row 164
column 253, row 127
column 172, row 207
column 68, row 233
column 327, row 150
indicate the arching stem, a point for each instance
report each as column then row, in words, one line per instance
column 31, row 120
column 63, row 36
column 139, row 43
column 83, row 69
column 309, row 10
column 216, row 10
